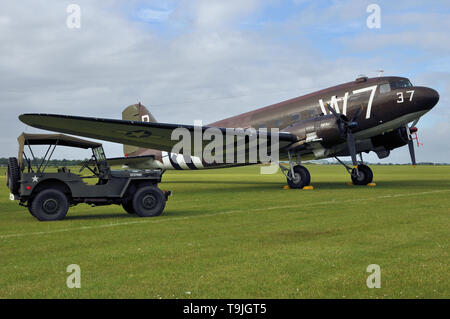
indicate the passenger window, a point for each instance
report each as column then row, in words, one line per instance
column 304, row 115
column 385, row 88
column 313, row 112
column 278, row 123
column 295, row 117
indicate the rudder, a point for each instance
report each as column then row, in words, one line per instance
column 136, row 112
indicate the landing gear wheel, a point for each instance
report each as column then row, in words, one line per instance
column 149, row 201
column 50, row 204
column 301, row 177
column 128, row 207
column 13, row 175
column 364, row 177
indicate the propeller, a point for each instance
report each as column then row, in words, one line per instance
column 409, row 131
column 346, row 128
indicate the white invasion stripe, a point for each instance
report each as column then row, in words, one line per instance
column 156, row 221
column 166, row 160
column 180, row 160
column 197, row 161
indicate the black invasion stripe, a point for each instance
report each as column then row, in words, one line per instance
column 173, row 161
column 189, row 162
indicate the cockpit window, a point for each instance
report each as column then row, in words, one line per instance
column 402, row 83
column 385, row 88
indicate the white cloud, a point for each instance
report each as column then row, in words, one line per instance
column 154, row 15
column 216, row 13
column 112, row 62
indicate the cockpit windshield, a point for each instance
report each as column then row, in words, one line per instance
column 400, row 83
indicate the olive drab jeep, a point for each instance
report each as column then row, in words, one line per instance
column 49, row 193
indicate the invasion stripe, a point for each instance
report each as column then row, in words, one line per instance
column 197, row 162
column 189, row 162
column 166, row 160
column 173, row 161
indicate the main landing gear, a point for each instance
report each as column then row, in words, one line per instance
column 297, row 176
column 360, row 174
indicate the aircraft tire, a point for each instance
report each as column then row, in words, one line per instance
column 302, row 177
column 50, row 204
column 128, row 207
column 365, row 175
column 13, row 175
column 149, row 201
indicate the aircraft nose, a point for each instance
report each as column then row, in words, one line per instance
column 427, row 98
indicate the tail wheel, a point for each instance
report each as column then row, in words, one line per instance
column 364, row 175
column 49, row 204
column 301, row 177
column 149, row 201
column 13, row 175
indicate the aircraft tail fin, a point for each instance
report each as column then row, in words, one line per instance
column 136, row 112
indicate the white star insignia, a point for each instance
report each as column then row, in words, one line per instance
column 35, row 179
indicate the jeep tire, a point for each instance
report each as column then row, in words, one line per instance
column 13, row 175
column 149, row 201
column 49, row 204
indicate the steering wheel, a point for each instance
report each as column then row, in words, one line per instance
column 86, row 165
column 83, row 166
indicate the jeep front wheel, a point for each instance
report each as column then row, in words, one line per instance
column 49, row 204
column 149, row 201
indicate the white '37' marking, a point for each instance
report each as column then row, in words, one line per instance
column 400, row 96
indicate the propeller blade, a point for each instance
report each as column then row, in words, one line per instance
column 358, row 112
column 351, row 147
column 411, row 145
column 412, row 152
column 332, row 110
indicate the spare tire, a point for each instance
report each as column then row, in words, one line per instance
column 13, row 175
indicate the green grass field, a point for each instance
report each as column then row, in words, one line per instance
column 234, row 233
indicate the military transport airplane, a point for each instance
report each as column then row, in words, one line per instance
column 368, row 114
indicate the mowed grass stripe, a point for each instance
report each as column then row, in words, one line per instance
column 293, row 208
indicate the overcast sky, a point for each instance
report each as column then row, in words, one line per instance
column 208, row 59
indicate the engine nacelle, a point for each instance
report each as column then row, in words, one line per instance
column 325, row 127
column 391, row 140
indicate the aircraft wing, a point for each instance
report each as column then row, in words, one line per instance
column 134, row 161
column 143, row 134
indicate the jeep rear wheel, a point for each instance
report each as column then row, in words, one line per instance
column 149, row 201
column 13, row 175
column 49, row 204
column 30, row 210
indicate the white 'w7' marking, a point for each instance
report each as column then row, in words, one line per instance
column 372, row 95
column 334, row 101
